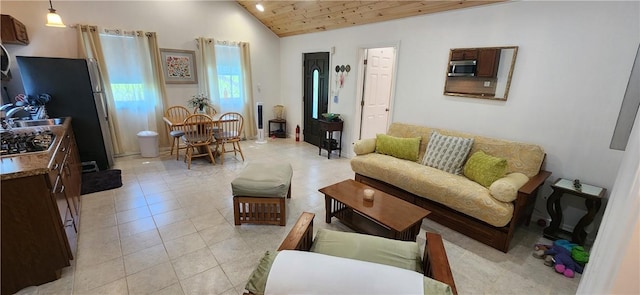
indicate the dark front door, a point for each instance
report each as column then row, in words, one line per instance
column 316, row 94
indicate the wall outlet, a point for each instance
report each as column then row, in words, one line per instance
column 487, row 83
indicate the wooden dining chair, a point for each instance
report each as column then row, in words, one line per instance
column 208, row 110
column 176, row 114
column 198, row 134
column 230, row 131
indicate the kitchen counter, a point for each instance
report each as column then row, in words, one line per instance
column 40, row 209
column 35, row 163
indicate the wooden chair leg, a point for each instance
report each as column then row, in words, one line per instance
column 177, row 141
column 213, row 160
column 189, row 154
column 240, row 150
column 172, row 144
column 222, row 153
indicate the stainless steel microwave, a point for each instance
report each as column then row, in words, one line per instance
column 462, row 68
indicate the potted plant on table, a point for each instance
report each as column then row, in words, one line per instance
column 199, row 101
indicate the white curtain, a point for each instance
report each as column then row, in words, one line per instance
column 226, row 76
column 137, row 95
column 89, row 47
column 207, row 72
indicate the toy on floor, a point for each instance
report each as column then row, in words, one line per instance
column 538, row 252
column 580, row 255
column 564, row 264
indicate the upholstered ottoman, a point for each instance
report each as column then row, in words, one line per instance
column 259, row 193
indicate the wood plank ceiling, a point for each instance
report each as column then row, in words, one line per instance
column 288, row 18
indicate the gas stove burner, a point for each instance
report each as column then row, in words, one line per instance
column 25, row 142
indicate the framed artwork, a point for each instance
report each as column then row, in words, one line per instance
column 179, row 66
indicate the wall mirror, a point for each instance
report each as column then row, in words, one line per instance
column 480, row 72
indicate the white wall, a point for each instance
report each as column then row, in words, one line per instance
column 614, row 263
column 177, row 24
column 572, row 68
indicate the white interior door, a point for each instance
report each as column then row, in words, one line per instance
column 377, row 91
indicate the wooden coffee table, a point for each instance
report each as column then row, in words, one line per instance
column 385, row 216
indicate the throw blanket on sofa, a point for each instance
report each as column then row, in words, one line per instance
column 300, row 272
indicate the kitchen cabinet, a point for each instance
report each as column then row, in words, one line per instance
column 464, row 54
column 40, row 215
column 487, row 65
column 13, row 31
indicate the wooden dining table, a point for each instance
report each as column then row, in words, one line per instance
column 171, row 123
column 216, row 123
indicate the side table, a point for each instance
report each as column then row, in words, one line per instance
column 329, row 143
column 281, row 132
column 593, row 201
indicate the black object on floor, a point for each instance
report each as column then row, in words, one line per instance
column 101, row 181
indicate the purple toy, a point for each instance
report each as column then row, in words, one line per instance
column 564, row 263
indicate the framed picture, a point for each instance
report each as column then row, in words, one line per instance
column 179, row 66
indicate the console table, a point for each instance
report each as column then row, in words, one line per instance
column 329, row 143
column 593, row 200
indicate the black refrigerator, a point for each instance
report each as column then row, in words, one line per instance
column 76, row 91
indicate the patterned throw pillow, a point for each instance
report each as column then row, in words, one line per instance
column 447, row 153
column 485, row 169
column 399, row 147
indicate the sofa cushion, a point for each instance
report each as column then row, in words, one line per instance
column 521, row 157
column 447, row 153
column 263, row 180
column 506, row 188
column 401, row 254
column 454, row 191
column 485, row 169
column 364, row 146
column 403, row 148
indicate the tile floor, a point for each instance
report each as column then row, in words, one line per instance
column 169, row 230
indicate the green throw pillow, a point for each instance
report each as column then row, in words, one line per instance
column 402, row 254
column 258, row 279
column 399, row 147
column 485, row 169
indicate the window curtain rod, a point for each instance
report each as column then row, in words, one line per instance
column 221, row 42
column 117, row 31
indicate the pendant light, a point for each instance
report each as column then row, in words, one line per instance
column 53, row 19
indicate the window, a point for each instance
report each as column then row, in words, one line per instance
column 230, row 82
column 316, row 78
column 134, row 94
column 127, row 71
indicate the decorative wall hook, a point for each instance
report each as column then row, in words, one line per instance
column 340, row 75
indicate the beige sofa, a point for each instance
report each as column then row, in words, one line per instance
column 454, row 200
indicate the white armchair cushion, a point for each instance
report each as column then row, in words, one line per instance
column 300, row 272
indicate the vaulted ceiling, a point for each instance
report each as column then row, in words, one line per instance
column 288, row 18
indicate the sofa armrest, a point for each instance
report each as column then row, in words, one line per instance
column 365, row 146
column 301, row 235
column 534, row 183
column 436, row 265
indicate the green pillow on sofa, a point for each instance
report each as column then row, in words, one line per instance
column 485, row 169
column 399, row 147
column 374, row 249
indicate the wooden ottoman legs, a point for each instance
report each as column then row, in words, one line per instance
column 260, row 210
